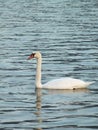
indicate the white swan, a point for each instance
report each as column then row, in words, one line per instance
column 61, row 83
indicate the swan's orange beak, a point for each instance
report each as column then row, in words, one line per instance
column 31, row 56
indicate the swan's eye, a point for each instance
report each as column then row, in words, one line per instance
column 31, row 56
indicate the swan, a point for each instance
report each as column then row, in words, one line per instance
column 61, row 83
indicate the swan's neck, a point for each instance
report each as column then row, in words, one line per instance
column 38, row 73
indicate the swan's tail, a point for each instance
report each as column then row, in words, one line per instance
column 89, row 83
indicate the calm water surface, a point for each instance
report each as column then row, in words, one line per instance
column 66, row 32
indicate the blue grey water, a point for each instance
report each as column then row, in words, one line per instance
column 66, row 33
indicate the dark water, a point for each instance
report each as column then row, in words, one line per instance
column 66, row 32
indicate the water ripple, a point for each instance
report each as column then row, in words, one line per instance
column 66, row 34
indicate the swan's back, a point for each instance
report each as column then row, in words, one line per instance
column 66, row 83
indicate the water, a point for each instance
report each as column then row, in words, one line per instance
column 66, row 32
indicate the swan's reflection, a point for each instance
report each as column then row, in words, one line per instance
column 38, row 100
column 53, row 91
column 38, row 108
column 66, row 91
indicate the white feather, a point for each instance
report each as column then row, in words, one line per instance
column 66, row 83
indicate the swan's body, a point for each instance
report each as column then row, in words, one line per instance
column 66, row 83
column 61, row 83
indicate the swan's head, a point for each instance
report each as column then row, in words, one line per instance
column 36, row 55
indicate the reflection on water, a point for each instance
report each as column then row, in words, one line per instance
column 68, row 91
column 66, row 33
column 40, row 107
column 38, row 100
